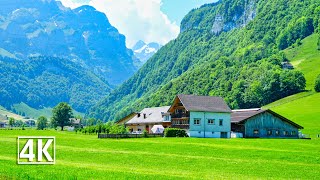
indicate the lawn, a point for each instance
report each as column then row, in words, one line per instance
column 87, row 157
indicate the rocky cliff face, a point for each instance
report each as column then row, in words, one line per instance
column 83, row 35
column 221, row 19
column 240, row 19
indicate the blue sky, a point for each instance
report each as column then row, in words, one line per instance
column 177, row 9
column 147, row 20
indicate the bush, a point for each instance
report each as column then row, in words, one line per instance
column 175, row 132
column 145, row 134
column 317, row 84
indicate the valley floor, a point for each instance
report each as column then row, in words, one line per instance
column 87, row 157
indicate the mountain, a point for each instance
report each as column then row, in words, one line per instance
column 145, row 51
column 83, row 35
column 50, row 53
column 45, row 81
column 232, row 49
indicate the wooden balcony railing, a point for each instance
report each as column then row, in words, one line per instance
column 181, row 126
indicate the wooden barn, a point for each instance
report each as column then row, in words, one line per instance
column 258, row 123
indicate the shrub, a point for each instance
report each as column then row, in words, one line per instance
column 145, row 133
column 317, row 84
column 175, row 132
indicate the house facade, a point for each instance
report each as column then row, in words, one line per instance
column 258, row 123
column 201, row 116
column 149, row 117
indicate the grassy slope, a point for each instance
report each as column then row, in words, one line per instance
column 87, row 157
column 35, row 113
column 303, row 108
column 3, row 111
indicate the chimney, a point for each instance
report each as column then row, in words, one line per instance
column 144, row 115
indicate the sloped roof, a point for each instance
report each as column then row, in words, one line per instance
column 204, row 103
column 153, row 115
column 126, row 118
column 74, row 121
column 241, row 115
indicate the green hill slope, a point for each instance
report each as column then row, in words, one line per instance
column 303, row 108
column 306, row 58
column 230, row 49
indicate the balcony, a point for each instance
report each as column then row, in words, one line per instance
column 180, row 115
column 182, row 123
column 181, row 126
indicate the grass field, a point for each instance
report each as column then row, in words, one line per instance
column 87, row 157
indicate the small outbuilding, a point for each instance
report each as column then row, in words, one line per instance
column 259, row 123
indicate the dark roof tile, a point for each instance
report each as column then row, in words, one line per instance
column 204, row 103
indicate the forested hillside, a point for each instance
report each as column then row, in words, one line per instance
column 83, row 35
column 45, row 81
column 231, row 49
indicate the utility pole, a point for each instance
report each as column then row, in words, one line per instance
column 204, row 125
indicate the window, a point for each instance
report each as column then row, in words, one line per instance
column 220, row 122
column 285, row 133
column 196, row 121
column 176, row 111
column 269, row 132
column 166, row 118
column 256, row 132
column 210, row 121
column 277, row 132
column 293, row 133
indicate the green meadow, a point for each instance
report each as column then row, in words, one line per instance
column 87, row 157
column 303, row 108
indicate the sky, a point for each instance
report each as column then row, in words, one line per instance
column 147, row 20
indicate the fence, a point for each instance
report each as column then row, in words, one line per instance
column 101, row 136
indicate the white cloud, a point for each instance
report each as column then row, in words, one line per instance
column 71, row 3
column 136, row 19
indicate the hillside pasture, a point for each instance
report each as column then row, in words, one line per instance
column 87, row 157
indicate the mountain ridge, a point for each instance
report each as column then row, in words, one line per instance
column 83, row 34
column 144, row 51
column 246, row 71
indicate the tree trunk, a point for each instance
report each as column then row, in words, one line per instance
column 61, row 128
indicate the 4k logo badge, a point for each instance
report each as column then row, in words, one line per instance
column 36, row 150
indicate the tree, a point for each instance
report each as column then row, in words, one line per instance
column 91, row 121
column 11, row 121
column 42, row 123
column 317, row 84
column 18, row 123
column 61, row 115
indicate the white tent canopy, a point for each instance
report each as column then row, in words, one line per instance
column 157, row 129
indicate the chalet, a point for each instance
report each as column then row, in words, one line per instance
column 201, row 116
column 149, row 117
column 75, row 123
column 258, row 123
column 287, row 65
